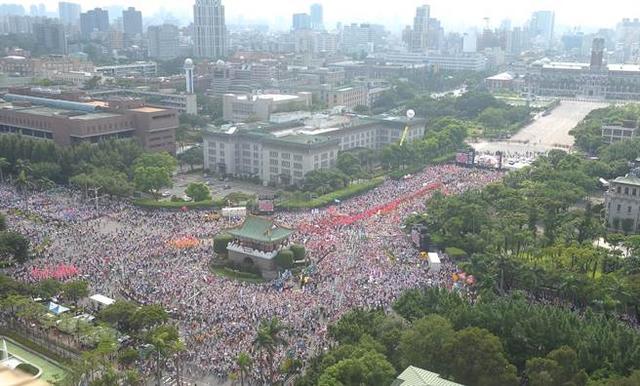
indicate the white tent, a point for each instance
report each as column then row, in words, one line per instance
column 103, row 300
column 434, row 261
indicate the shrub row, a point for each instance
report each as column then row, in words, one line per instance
column 153, row 204
column 327, row 199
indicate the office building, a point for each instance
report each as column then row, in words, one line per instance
column 166, row 99
column 163, row 42
column 316, row 16
column 67, row 122
column 131, row 22
column 301, row 21
column 622, row 203
column 349, row 97
column 619, row 132
column 469, row 42
column 142, row 69
column 240, row 108
column 541, row 28
column 420, row 31
column 95, row 20
column 69, row 13
column 50, row 37
column 593, row 80
column 457, row 62
column 282, row 154
column 209, row 29
column 358, row 38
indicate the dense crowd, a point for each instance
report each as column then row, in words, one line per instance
column 129, row 252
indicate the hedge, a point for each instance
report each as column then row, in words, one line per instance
column 220, row 243
column 28, row 368
column 327, row 199
column 153, row 204
column 238, row 275
column 284, row 259
column 298, row 251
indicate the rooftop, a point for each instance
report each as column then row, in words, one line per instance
column 415, row 376
column 629, row 179
column 147, row 109
column 274, row 97
column 260, row 229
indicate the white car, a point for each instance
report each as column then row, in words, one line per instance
column 166, row 194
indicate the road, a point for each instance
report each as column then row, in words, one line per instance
column 545, row 132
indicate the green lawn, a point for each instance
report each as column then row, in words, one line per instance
column 50, row 371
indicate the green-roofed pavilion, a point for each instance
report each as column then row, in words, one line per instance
column 260, row 229
column 415, row 376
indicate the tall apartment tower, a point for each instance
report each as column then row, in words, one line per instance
column 316, row 17
column 50, row 36
column 419, row 34
column 132, row 22
column 69, row 13
column 209, row 29
column 188, row 75
column 94, row 20
column 163, row 41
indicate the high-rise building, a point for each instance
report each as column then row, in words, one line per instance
column 94, row 20
column 301, row 21
column 469, row 42
column 163, row 41
column 209, row 30
column 50, row 37
column 597, row 54
column 131, row 22
column 419, row 33
column 358, row 38
column 188, row 75
column 541, row 27
column 69, row 13
column 317, row 17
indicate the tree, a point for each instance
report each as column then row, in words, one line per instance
column 243, row 360
column 3, row 222
column 148, row 316
column 349, row 164
column 299, row 251
column 193, row 156
column 559, row 367
column 151, row 179
column 119, row 314
column 476, row 357
column 159, row 159
column 4, row 164
column 163, row 342
column 220, row 243
column 75, row 290
column 13, row 247
column 423, row 344
column 48, row 288
column 198, row 191
column 370, row 369
column 268, row 339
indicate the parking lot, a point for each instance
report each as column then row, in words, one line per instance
column 218, row 188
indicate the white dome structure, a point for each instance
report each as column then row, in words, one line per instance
column 188, row 63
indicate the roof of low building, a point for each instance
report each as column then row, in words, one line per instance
column 260, row 229
column 628, row 180
column 415, row 376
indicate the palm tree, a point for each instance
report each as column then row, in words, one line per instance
column 244, row 364
column 267, row 341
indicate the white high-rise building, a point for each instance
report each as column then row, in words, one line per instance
column 69, row 13
column 209, row 30
column 420, row 29
column 188, row 75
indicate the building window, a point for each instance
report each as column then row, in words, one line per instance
column 286, row 155
column 286, row 164
column 619, row 190
column 273, row 169
column 297, row 165
column 633, row 192
column 297, row 157
column 629, row 210
column 273, row 154
column 619, row 206
column 626, row 191
column 273, row 162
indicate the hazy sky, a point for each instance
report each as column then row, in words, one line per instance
column 455, row 14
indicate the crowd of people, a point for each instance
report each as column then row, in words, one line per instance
column 134, row 253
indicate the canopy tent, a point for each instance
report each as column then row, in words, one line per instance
column 434, row 261
column 57, row 309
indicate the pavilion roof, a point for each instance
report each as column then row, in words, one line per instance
column 260, row 229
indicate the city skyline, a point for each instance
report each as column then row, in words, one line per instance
column 279, row 12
